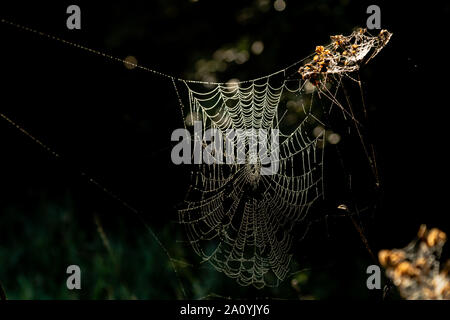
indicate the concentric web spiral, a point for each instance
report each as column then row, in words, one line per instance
column 239, row 215
column 237, row 218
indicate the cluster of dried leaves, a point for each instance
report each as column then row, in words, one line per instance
column 345, row 54
column 416, row 270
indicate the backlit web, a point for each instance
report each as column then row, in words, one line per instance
column 235, row 217
column 239, row 216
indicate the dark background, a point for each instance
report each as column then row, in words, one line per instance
column 114, row 124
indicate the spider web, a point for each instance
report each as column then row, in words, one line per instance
column 236, row 217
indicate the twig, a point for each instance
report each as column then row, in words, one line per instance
column 2, row 292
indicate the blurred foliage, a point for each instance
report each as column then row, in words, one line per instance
column 37, row 247
column 38, row 265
